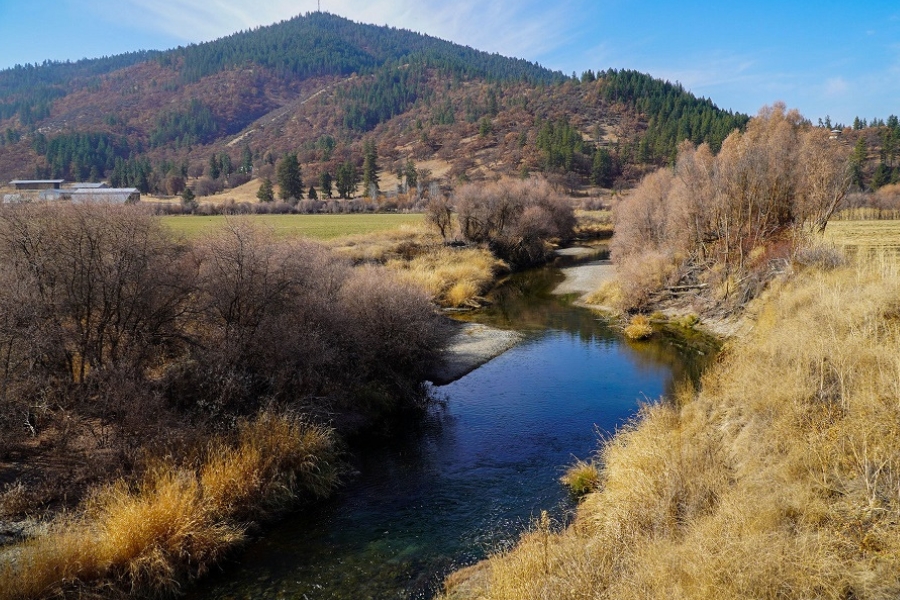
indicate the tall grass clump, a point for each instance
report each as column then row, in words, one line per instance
column 581, row 478
column 454, row 277
column 177, row 521
column 639, row 328
column 779, row 478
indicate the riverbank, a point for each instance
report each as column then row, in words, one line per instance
column 585, row 279
column 483, row 462
column 471, row 345
column 778, row 478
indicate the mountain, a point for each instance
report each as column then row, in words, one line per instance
column 321, row 86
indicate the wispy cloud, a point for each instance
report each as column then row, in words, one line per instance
column 836, row 86
column 714, row 71
column 527, row 29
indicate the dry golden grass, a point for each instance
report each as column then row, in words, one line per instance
column 608, row 295
column 453, row 277
column 581, row 478
column 864, row 234
column 780, row 478
column 380, row 247
column 177, row 521
column 639, row 328
column 865, row 214
column 322, row 227
column 593, row 223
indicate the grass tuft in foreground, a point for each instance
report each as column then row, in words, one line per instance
column 178, row 521
column 639, row 328
column 581, row 478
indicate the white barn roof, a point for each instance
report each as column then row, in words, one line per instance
column 35, row 181
column 110, row 195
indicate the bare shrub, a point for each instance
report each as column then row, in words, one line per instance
column 516, row 218
column 395, row 330
column 439, row 213
column 641, row 275
column 780, row 178
column 260, row 300
column 90, row 289
column 238, row 179
column 206, row 186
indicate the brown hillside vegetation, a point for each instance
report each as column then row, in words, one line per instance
column 780, row 478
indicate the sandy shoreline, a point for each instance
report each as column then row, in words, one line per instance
column 585, row 279
column 472, row 345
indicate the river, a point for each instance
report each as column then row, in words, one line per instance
column 483, row 465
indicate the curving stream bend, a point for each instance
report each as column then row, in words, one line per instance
column 486, row 461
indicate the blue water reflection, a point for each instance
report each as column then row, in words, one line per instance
column 473, row 476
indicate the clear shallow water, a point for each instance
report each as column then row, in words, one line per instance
column 469, row 479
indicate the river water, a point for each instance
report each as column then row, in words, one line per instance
column 483, row 465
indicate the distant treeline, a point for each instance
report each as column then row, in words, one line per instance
column 29, row 90
column 673, row 114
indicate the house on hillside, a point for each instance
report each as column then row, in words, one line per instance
column 36, row 184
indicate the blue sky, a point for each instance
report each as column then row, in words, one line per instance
column 826, row 58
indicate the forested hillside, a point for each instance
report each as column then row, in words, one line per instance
column 322, row 87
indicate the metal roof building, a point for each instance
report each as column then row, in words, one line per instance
column 106, row 195
column 36, row 184
column 88, row 186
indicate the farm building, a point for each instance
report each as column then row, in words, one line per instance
column 105, row 195
column 82, row 193
column 36, row 184
column 88, row 186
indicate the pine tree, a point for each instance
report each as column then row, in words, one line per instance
column 214, row 168
column 325, row 181
column 412, row 177
column 858, row 161
column 246, row 159
column 602, row 168
column 346, row 179
column 290, row 180
column 266, row 193
column 226, row 167
column 370, row 167
column 188, row 199
column 312, row 195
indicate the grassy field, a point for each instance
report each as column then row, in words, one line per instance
column 864, row 234
column 321, row 227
